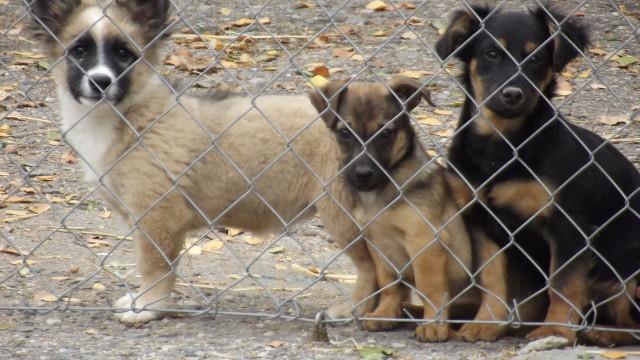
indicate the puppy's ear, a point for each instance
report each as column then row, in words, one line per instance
column 327, row 101
column 410, row 91
column 463, row 25
column 570, row 36
column 50, row 16
column 152, row 15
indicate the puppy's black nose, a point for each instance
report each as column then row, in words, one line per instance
column 512, row 95
column 363, row 173
column 99, row 83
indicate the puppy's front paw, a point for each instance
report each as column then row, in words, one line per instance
column 552, row 330
column 480, row 332
column 140, row 314
column 379, row 325
column 432, row 332
column 342, row 311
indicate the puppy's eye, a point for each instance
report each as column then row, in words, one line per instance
column 78, row 51
column 344, row 134
column 492, row 54
column 123, row 54
column 386, row 134
column 535, row 60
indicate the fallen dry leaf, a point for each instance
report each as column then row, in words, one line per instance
column 585, row 74
column 252, row 240
column 39, row 208
column 443, row 112
column 415, row 74
column 275, row 344
column 563, row 88
column 195, row 250
column 303, row 5
column 408, row 35
column 234, row 231
column 213, row 245
column 224, row 11
column 342, row 53
column 614, row 119
column 598, row 52
column 427, row 120
column 242, row 22
column 378, row 5
column 45, row 296
column 597, row 85
column 446, row 133
column 98, row 287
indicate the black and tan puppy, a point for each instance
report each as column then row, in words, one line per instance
column 403, row 201
column 554, row 201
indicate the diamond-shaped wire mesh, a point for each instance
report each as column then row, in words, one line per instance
column 63, row 247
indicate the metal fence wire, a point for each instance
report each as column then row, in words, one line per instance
column 62, row 248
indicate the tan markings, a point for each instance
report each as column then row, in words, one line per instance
column 400, row 146
column 619, row 307
column 490, row 123
column 529, row 47
column 562, row 311
column 525, row 197
column 459, row 30
column 494, row 294
column 462, row 193
column 546, row 80
column 477, row 85
column 503, row 42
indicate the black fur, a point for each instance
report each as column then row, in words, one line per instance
column 596, row 200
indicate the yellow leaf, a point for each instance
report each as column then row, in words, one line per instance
column 234, row 231
column 598, row 52
column 319, row 81
column 358, row 57
column 224, row 11
column 446, row 133
column 16, row 212
column 563, row 88
column 46, row 177
column 415, row 74
column 213, row 245
column 381, row 33
column 427, row 120
column 252, row 240
column 614, row 119
column 45, row 296
column 567, row 74
column 409, row 35
column 303, row 5
column 281, row 267
column 613, row 354
column 585, row 74
column 39, row 208
column 264, row 21
column 195, row 250
column 275, row 344
column 21, row 262
column 105, row 214
column 242, row 22
column 98, row 287
column 443, row 112
column 377, row 5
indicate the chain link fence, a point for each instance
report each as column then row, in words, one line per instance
column 62, row 248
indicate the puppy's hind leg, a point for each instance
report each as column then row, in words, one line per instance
column 156, row 252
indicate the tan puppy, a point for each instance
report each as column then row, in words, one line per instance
column 170, row 164
column 404, row 201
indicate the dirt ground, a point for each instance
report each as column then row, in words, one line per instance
column 64, row 258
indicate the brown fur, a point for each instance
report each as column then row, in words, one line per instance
column 167, row 173
column 418, row 233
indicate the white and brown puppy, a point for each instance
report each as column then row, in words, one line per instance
column 404, row 202
column 170, row 164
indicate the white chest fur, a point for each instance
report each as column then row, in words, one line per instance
column 91, row 131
